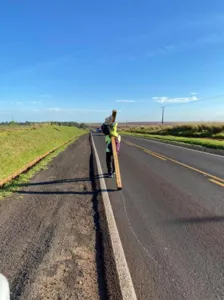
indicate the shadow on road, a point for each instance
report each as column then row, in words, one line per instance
column 63, row 192
column 197, row 220
column 53, row 188
column 100, row 256
column 53, row 182
column 58, row 181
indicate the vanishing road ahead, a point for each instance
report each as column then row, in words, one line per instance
column 170, row 216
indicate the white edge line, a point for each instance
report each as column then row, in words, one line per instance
column 171, row 145
column 124, row 277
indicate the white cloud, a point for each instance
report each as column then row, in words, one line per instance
column 91, row 110
column 210, row 39
column 34, row 102
column 45, row 96
column 30, row 110
column 193, row 93
column 125, row 101
column 130, row 101
column 54, row 109
column 77, row 110
column 220, row 113
column 50, row 64
column 161, row 51
column 175, row 100
column 21, row 102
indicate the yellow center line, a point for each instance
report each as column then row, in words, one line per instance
column 158, row 156
column 215, row 178
column 128, row 143
column 217, row 182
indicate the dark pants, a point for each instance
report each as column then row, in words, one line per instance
column 110, row 162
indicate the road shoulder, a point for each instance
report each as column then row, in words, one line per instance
column 49, row 245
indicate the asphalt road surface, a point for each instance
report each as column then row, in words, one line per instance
column 170, row 216
column 48, row 243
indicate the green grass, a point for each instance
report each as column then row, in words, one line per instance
column 200, row 130
column 208, row 143
column 24, row 178
column 18, row 147
column 210, row 135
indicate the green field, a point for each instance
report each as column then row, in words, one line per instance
column 210, row 135
column 21, row 145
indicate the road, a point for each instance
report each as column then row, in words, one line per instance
column 48, row 241
column 170, row 217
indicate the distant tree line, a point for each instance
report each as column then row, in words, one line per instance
column 71, row 124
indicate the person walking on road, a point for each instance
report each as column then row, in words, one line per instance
column 109, row 128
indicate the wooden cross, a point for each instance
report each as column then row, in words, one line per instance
column 116, row 161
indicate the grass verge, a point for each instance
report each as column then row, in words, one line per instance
column 18, row 148
column 188, row 130
column 208, row 143
column 24, row 178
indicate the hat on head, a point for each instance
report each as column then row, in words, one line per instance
column 109, row 120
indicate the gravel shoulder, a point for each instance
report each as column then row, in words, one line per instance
column 48, row 235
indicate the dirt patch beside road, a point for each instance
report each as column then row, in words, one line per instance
column 48, row 235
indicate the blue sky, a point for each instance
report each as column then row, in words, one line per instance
column 78, row 60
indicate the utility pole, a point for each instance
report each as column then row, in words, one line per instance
column 163, row 114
